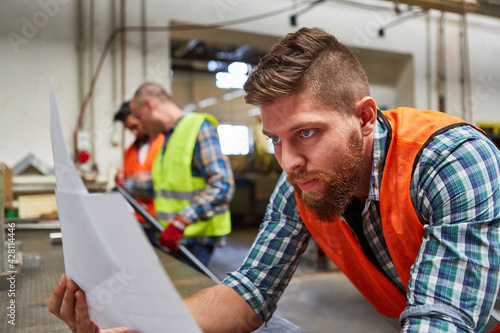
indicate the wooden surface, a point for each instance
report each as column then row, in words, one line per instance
column 34, row 286
column 186, row 280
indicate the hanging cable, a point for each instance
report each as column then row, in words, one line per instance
column 467, row 89
column 399, row 20
column 186, row 27
column 293, row 18
column 360, row 5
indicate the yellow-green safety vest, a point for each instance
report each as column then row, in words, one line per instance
column 173, row 181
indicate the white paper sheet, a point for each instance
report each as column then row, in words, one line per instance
column 107, row 254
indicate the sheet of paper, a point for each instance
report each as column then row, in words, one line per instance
column 69, row 178
column 107, row 254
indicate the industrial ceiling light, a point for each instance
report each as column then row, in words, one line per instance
column 235, row 78
column 238, row 68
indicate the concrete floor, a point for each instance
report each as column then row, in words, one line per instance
column 316, row 300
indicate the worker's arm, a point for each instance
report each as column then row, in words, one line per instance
column 217, row 309
column 455, row 278
column 220, row 309
column 255, row 288
column 275, row 254
column 139, row 185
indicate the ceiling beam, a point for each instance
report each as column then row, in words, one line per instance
column 483, row 7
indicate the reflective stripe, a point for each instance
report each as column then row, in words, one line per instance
column 165, row 216
column 169, row 194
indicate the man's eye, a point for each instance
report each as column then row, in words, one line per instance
column 307, row 133
column 275, row 139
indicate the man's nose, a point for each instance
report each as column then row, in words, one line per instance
column 292, row 160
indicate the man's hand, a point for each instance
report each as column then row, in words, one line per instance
column 119, row 177
column 141, row 176
column 69, row 304
column 171, row 236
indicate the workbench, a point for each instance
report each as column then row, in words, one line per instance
column 33, row 287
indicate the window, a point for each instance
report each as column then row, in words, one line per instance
column 234, row 139
column 235, row 77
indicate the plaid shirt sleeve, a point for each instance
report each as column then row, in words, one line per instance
column 456, row 191
column 275, row 253
column 215, row 168
column 143, row 189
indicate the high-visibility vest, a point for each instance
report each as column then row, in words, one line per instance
column 174, row 183
column 409, row 132
column 132, row 165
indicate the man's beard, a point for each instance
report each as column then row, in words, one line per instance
column 340, row 185
column 142, row 139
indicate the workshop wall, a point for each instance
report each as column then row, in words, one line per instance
column 412, row 64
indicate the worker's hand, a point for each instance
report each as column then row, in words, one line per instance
column 119, row 177
column 69, row 304
column 141, row 177
column 171, row 236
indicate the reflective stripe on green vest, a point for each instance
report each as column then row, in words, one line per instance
column 173, row 180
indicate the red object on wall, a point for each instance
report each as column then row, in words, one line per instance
column 83, row 156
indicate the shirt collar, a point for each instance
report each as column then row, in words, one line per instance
column 379, row 142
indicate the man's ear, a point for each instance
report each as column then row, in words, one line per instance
column 366, row 110
column 150, row 103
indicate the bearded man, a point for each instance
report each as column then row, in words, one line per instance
column 405, row 202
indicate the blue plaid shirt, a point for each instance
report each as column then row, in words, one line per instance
column 455, row 279
column 215, row 168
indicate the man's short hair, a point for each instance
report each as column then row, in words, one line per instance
column 123, row 112
column 309, row 61
column 150, row 89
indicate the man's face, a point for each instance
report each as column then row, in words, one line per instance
column 135, row 126
column 320, row 150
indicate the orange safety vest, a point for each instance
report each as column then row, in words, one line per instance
column 410, row 130
column 131, row 165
